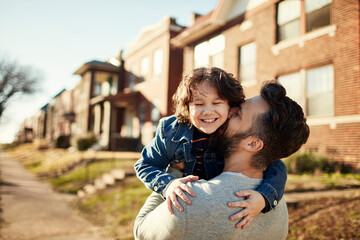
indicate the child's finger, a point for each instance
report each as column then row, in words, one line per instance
column 239, row 215
column 183, row 196
column 239, row 204
column 176, row 203
column 188, row 189
column 243, row 193
column 168, row 201
column 191, row 178
column 244, row 222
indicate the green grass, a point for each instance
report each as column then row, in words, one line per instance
column 308, row 182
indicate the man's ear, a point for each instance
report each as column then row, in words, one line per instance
column 253, row 144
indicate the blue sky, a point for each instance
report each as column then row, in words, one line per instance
column 56, row 37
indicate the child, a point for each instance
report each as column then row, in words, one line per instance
column 202, row 103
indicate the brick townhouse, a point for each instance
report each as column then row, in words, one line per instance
column 53, row 120
column 100, row 80
column 121, row 102
column 311, row 47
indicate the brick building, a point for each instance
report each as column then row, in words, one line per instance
column 311, row 47
column 99, row 82
column 152, row 73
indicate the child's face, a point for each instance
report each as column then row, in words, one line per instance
column 207, row 110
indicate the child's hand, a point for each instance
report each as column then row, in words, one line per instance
column 252, row 205
column 177, row 188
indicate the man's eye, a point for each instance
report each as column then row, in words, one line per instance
column 198, row 104
column 216, row 103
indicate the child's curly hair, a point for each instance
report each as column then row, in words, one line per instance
column 227, row 86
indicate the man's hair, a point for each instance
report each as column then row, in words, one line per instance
column 227, row 86
column 282, row 129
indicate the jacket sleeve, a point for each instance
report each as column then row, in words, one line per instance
column 150, row 168
column 273, row 185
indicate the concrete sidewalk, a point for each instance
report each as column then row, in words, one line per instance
column 31, row 210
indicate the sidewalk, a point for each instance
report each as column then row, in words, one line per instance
column 31, row 210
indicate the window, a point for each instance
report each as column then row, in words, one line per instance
column 290, row 14
column 155, row 116
column 247, row 64
column 142, row 114
column 132, row 77
column 157, row 64
column 97, row 89
column 292, row 84
column 144, row 68
column 317, row 14
column 320, row 91
column 210, row 53
column 312, row 89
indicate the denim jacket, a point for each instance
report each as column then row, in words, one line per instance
column 172, row 144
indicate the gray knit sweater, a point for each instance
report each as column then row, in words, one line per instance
column 208, row 215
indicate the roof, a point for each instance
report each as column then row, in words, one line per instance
column 152, row 32
column 96, row 64
column 225, row 11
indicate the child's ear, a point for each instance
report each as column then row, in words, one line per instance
column 253, row 144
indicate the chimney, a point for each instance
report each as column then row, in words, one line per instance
column 193, row 17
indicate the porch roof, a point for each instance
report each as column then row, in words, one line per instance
column 131, row 97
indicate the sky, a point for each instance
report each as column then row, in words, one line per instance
column 55, row 37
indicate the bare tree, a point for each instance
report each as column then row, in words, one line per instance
column 15, row 80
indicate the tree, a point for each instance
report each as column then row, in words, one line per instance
column 15, row 80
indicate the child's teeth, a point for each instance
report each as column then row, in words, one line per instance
column 209, row 120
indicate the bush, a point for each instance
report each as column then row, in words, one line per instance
column 85, row 143
column 308, row 162
column 62, row 142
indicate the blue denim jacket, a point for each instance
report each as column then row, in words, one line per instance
column 172, row 144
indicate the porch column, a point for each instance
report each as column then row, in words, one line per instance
column 97, row 119
column 105, row 137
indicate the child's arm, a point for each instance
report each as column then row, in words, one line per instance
column 150, row 168
column 266, row 196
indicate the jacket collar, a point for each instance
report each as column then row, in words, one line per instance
column 184, row 132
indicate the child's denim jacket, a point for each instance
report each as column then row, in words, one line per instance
column 172, row 144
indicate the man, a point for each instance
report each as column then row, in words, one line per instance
column 265, row 128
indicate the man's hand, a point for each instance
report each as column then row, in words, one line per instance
column 252, row 205
column 177, row 188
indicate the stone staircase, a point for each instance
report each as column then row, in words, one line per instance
column 102, row 182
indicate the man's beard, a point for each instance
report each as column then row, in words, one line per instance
column 224, row 145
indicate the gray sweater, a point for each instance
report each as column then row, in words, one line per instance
column 208, row 215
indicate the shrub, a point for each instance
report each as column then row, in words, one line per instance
column 308, row 162
column 62, row 141
column 85, row 142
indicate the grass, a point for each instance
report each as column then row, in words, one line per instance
column 327, row 218
column 74, row 180
column 307, row 182
column 115, row 209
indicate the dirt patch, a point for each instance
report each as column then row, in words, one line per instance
column 326, row 218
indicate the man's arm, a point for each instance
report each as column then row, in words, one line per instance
column 155, row 222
